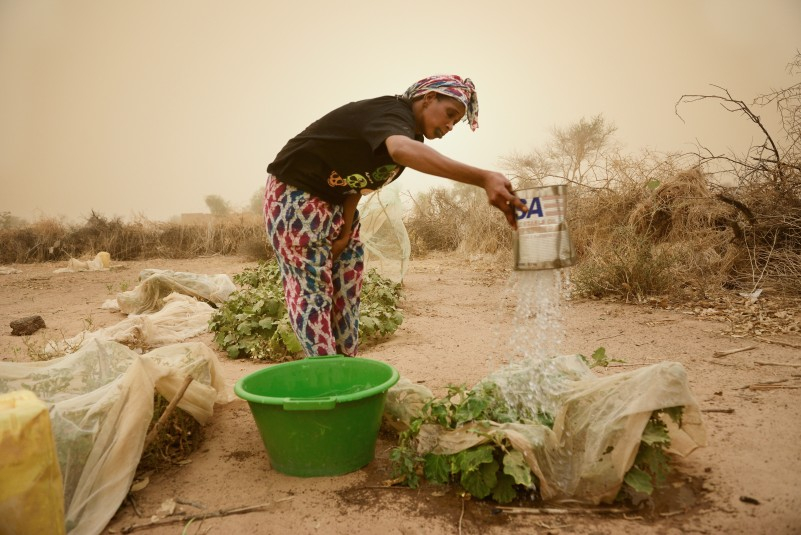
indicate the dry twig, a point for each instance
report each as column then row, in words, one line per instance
column 778, row 343
column 720, row 363
column 184, row 518
column 746, row 387
column 672, row 513
column 788, row 364
column 718, row 354
column 151, row 436
column 613, row 336
column 385, row 487
column 557, row 511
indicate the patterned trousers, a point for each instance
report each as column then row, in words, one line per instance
column 322, row 294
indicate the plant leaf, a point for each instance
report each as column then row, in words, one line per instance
column 655, row 432
column 654, row 460
column 469, row 460
column 437, row 468
column 514, row 464
column 639, row 480
column 479, row 483
column 675, row 414
column 504, row 491
column 471, row 409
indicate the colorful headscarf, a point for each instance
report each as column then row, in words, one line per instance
column 453, row 86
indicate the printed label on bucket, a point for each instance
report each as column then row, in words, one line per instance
column 542, row 240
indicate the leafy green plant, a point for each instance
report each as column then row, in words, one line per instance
column 496, row 469
column 650, row 468
column 254, row 323
column 599, row 358
column 379, row 315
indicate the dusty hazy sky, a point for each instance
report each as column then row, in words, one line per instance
column 146, row 107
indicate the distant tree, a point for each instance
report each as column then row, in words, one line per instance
column 217, row 205
column 527, row 170
column 577, row 149
column 9, row 221
column 575, row 154
column 256, row 201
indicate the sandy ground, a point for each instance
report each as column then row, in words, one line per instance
column 456, row 315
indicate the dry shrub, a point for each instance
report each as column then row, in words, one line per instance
column 770, row 211
column 700, row 265
column 626, row 264
column 685, row 217
column 457, row 218
column 52, row 240
column 430, row 225
column 220, row 236
column 256, row 249
column 123, row 241
column 678, row 208
column 677, row 239
column 38, row 242
column 593, row 214
column 766, row 202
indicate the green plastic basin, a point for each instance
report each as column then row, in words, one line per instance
column 319, row 416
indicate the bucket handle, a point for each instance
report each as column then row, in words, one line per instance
column 316, row 404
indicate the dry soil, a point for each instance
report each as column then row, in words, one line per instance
column 746, row 480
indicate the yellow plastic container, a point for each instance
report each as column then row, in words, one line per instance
column 31, row 488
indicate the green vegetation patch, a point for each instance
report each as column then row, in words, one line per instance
column 496, row 470
column 253, row 322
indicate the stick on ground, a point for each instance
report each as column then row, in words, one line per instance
column 718, row 354
column 785, row 344
column 763, row 363
column 746, row 387
column 185, row 518
column 151, row 436
column 558, row 511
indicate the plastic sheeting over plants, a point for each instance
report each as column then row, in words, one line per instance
column 384, row 235
column 101, row 262
column 181, row 317
column 167, row 307
column 100, row 400
column 597, row 422
column 156, row 284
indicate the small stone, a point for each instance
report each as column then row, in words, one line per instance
column 26, row 326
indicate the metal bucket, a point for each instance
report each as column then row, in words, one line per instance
column 541, row 240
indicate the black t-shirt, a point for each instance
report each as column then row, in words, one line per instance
column 344, row 152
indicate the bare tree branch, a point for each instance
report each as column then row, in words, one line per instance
column 733, row 105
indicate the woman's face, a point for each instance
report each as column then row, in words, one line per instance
column 438, row 115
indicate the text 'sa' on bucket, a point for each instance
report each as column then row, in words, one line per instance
column 542, row 240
